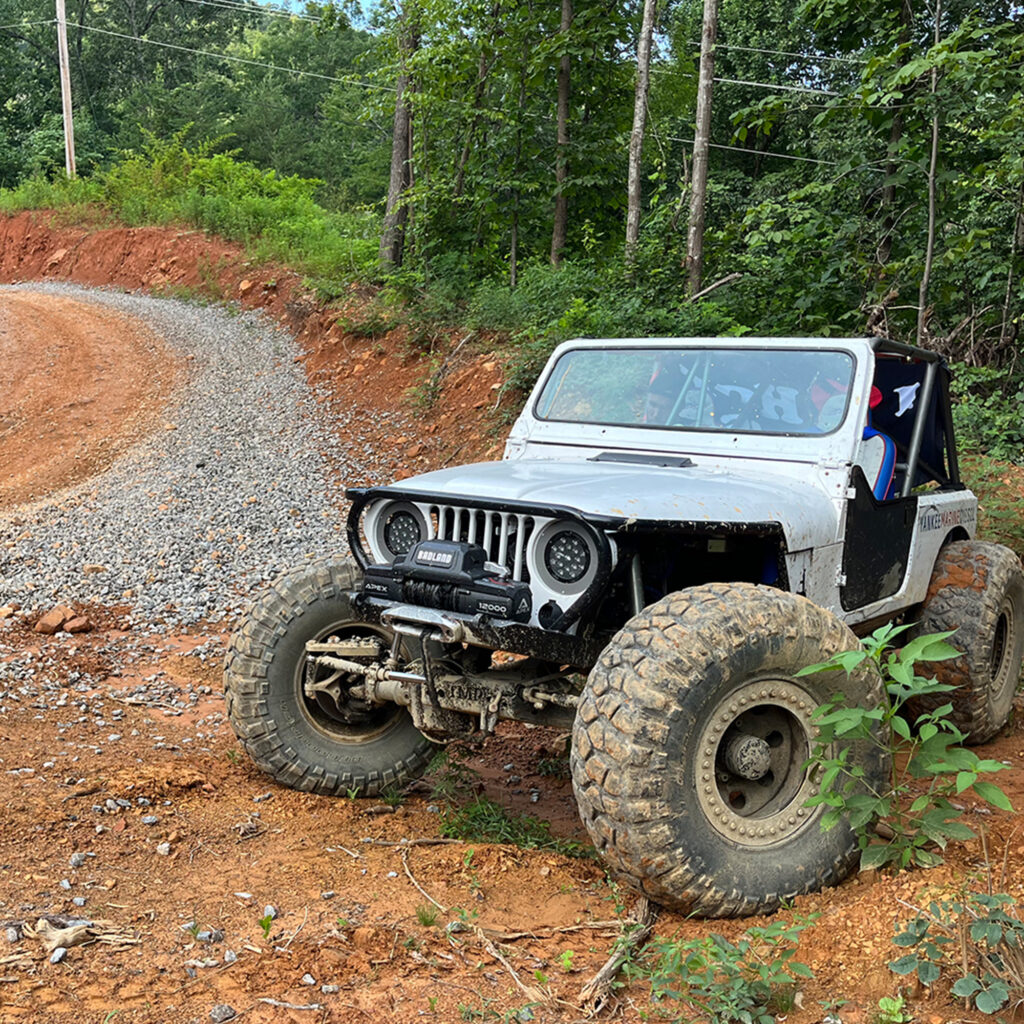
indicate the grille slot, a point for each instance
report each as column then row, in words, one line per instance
column 503, row 535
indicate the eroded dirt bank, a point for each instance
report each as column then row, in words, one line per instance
column 126, row 801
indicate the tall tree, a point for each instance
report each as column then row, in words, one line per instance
column 396, row 213
column 636, row 137
column 560, row 221
column 698, row 195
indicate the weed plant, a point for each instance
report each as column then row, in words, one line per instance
column 933, row 767
column 748, row 981
column 484, row 821
column 979, row 938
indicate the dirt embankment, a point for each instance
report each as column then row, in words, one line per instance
column 125, row 799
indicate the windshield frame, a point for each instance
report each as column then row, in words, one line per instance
column 701, row 345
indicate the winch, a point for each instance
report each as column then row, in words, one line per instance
column 452, row 576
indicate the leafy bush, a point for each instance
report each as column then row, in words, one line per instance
column 986, row 411
column 276, row 218
column 933, row 768
column 979, row 936
column 723, row 981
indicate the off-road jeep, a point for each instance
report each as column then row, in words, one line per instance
column 677, row 527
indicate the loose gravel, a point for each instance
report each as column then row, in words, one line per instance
column 245, row 480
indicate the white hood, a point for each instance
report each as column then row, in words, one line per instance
column 644, row 493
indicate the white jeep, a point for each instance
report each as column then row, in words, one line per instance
column 676, row 528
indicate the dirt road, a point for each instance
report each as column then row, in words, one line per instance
column 79, row 383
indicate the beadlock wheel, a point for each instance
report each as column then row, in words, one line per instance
column 691, row 743
column 753, row 784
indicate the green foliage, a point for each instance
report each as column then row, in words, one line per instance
column 978, row 938
column 742, row 981
column 266, row 923
column 986, row 411
column 426, row 915
column 892, row 1010
column 275, row 217
column 933, row 767
column 484, row 821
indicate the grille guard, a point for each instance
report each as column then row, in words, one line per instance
column 594, row 525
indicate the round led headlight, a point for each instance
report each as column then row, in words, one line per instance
column 564, row 557
column 567, row 556
column 402, row 532
column 394, row 528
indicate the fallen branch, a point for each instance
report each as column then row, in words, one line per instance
column 595, row 993
column 419, row 888
column 290, row 1006
column 291, row 938
column 543, row 933
column 82, row 792
column 410, row 842
column 139, row 702
column 728, row 279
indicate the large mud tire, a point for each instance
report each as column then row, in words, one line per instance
column 667, row 702
column 292, row 738
column 977, row 589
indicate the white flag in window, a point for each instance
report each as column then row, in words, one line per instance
column 907, row 397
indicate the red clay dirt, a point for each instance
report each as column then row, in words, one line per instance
column 356, row 886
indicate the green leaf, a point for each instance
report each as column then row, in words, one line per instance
column 905, row 965
column 900, row 726
column 875, row 855
column 966, row 986
column 992, row 998
column 992, row 794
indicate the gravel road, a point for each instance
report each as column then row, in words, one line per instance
column 242, row 479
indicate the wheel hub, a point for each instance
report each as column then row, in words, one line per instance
column 749, row 757
column 751, row 780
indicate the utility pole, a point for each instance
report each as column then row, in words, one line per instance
column 695, row 235
column 65, row 90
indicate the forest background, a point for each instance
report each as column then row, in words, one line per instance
column 866, row 169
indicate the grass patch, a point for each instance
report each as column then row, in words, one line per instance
column 276, row 218
column 484, row 821
column 999, row 487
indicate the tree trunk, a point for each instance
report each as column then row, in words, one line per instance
column 884, row 251
column 396, row 213
column 561, row 217
column 636, row 138
column 1007, row 329
column 695, row 235
column 922, row 296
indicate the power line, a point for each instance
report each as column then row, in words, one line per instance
column 783, row 88
column 757, row 152
column 239, row 60
column 760, row 85
column 29, row 24
column 257, row 10
column 782, row 53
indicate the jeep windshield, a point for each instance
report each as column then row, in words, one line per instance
column 760, row 390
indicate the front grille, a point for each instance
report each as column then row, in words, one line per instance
column 503, row 535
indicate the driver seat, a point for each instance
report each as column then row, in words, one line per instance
column 877, row 457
